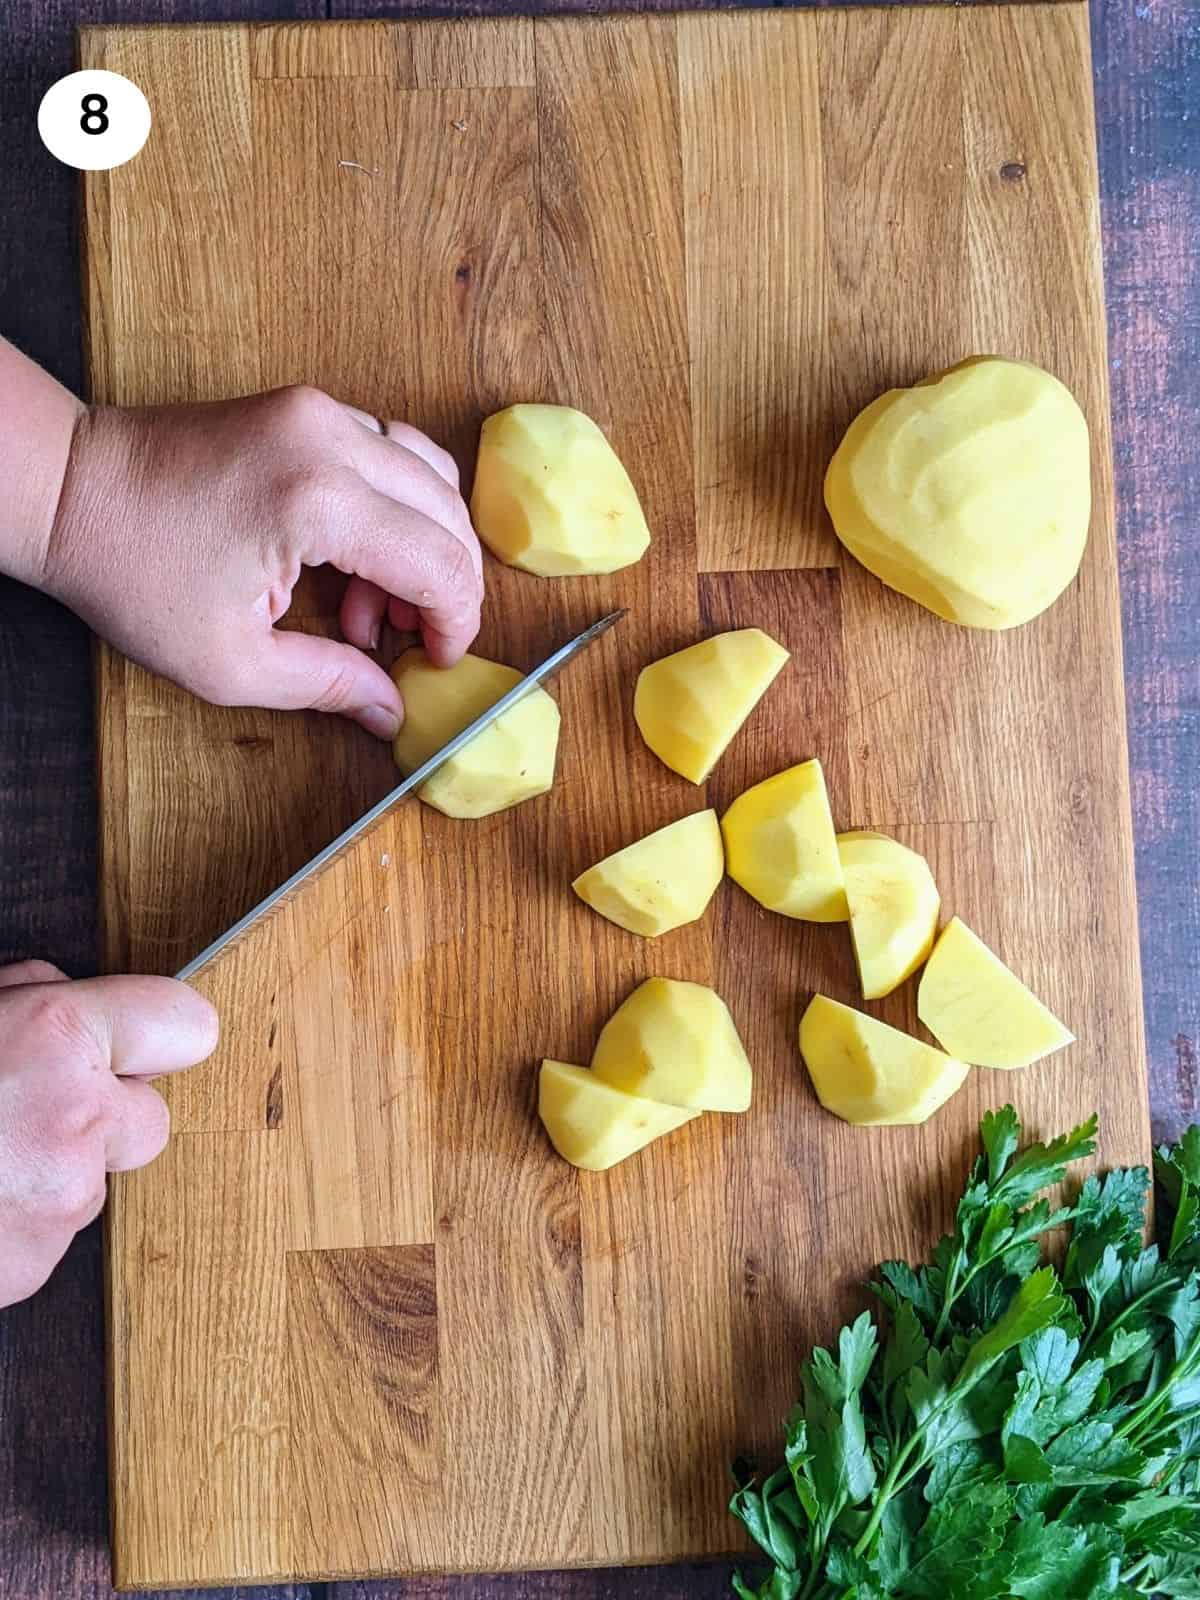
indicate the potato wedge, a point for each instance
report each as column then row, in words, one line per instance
column 509, row 762
column 894, row 905
column 871, row 1074
column 781, row 847
column 662, row 881
column 675, row 1042
column 689, row 705
column 594, row 1126
column 551, row 497
column 978, row 1008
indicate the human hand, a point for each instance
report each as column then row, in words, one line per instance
column 75, row 1103
column 181, row 532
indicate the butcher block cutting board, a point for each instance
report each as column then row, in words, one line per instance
column 362, row 1319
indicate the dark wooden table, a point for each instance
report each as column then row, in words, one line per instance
column 1147, row 58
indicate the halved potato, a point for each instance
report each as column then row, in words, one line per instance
column 894, row 906
column 870, row 1074
column 511, row 761
column 662, row 881
column 551, row 497
column 975, row 1006
column 594, row 1126
column 689, row 705
column 781, row 847
column 675, row 1042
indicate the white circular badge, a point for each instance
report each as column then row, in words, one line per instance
column 94, row 120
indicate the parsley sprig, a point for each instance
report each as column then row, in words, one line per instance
column 1005, row 1428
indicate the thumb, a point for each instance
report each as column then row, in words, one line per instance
column 304, row 672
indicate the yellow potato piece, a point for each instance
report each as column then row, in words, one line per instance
column 970, row 493
column 894, row 906
column 551, row 497
column 662, row 881
column 675, row 1042
column 511, row 761
column 870, row 1074
column 781, row 847
column 689, row 705
column 594, row 1126
column 976, row 1007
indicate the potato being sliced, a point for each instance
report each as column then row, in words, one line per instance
column 662, row 881
column 894, row 906
column 675, row 1042
column 781, row 847
column 689, row 705
column 511, row 761
column 975, row 1006
column 870, row 1074
column 594, row 1126
column 551, row 497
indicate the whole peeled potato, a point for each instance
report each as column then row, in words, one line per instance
column 969, row 493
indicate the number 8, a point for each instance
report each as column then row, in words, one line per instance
column 93, row 119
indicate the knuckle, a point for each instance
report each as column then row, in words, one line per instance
column 54, row 1016
column 302, row 407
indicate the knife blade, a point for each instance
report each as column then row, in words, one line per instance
column 357, row 830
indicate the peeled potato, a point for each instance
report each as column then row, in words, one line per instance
column 594, row 1126
column 781, row 847
column 894, row 906
column 675, row 1042
column 662, row 881
column 511, row 761
column 976, row 1007
column 689, row 705
column 870, row 1074
column 551, row 497
column 970, row 493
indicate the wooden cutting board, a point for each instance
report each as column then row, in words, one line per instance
column 362, row 1319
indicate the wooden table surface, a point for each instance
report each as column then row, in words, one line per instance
column 1147, row 55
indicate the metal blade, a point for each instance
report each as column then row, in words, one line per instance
column 367, row 821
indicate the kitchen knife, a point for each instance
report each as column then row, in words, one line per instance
column 367, row 821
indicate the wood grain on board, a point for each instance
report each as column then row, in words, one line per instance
column 547, row 1368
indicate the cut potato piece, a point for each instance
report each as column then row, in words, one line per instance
column 870, row 1074
column 551, row 497
column 689, row 706
column 894, row 906
column 675, row 1042
column 511, row 761
column 970, row 493
column 594, row 1126
column 662, row 881
column 977, row 1008
column 781, row 847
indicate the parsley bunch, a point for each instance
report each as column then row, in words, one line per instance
column 1010, row 1429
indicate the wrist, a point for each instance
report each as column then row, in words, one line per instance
column 39, row 420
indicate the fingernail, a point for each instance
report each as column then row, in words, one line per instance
column 382, row 721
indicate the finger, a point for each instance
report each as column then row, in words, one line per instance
column 138, row 1129
column 372, row 424
column 414, row 558
column 364, row 606
column 150, row 1025
column 408, row 477
column 442, row 462
column 302, row 672
column 22, row 972
column 403, row 616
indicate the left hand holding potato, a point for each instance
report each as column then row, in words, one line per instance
column 181, row 531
